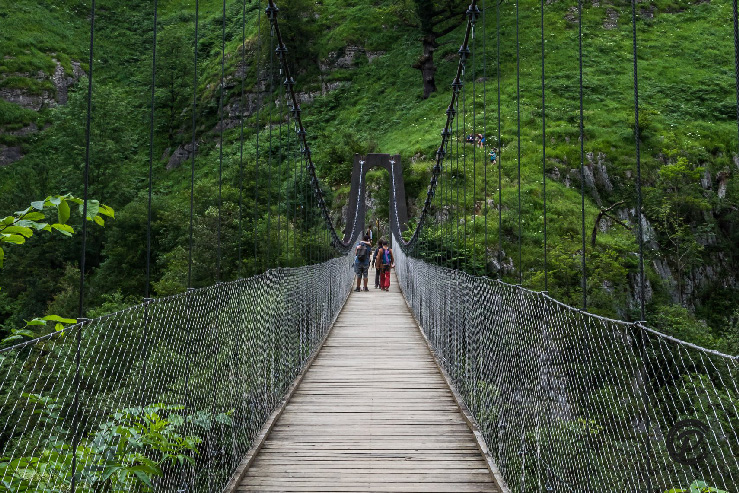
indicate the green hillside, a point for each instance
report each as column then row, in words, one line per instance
column 353, row 63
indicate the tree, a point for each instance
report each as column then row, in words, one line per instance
column 436, row 18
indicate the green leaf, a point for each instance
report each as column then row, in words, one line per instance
column 93, row 206
column 143, row 477
column 63, row 212
column 20, row 230
column 2, row 257
column 39, row 204
column 99, row 221
column 24, row 333
column 34, row 216
column 57, row 318
column 64, row 229
column 36, row 321
column 107, row 211
column 17, row 239
column 56, row 200
column 42, row 226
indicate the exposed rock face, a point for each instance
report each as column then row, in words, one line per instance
column 504, row 266
column 36, row 102
column 347, row 58
column 9, row 155
column 179, row 156
column 723, row 181
column 611, row 20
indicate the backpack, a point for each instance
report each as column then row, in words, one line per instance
column 387, row 257
column 362, row 252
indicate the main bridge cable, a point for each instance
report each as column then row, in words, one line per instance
column 344, row 245
column 281, row 50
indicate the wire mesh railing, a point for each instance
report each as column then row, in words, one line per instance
column 569, row 401
column 167, row 395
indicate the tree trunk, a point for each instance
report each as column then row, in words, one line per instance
column 426, row 65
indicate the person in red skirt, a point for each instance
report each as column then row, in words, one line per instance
column 386, row 261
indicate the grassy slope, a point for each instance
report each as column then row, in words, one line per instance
column 685, row 94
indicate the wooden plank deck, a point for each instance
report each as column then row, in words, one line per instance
column 372, row 413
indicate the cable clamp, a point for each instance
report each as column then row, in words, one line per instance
column 446, row 132
column 464, row 53
column 457, row 86
column 289, row 82
column 281, row 50
column 272, row 12
column 473, row 12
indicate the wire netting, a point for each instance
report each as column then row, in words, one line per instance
column 167, row 395
column 569, row 401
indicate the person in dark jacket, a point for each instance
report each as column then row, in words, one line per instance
column 375, row 264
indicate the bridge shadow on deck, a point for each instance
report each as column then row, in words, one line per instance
column 372, row 413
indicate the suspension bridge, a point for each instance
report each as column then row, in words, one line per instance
column 289, row 381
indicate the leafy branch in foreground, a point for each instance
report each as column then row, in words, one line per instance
column 129, row 452
column 697, row 487
column 17, row 228
column 20, row 226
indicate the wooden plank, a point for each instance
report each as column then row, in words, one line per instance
column 373, row 413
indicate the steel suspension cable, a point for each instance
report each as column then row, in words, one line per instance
column 484, row 127
column 194, row 129
column 289, row 166
column 640, row 233
column 474, row 145
column 499, row 154
column 83, row 253
column 638, row 164
column 257, row 263
column 464, row 169
column 582, row 164
column 518, row 147
column 220, row 153
column 544, row 149
column 736, row 64
column 279, row 172
column 457, row 249
column 151, row 151
column 270, row 152
column 241, row 138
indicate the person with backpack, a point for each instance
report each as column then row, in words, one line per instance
column 376, row 264
column 362, row 261
column 387, row 262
